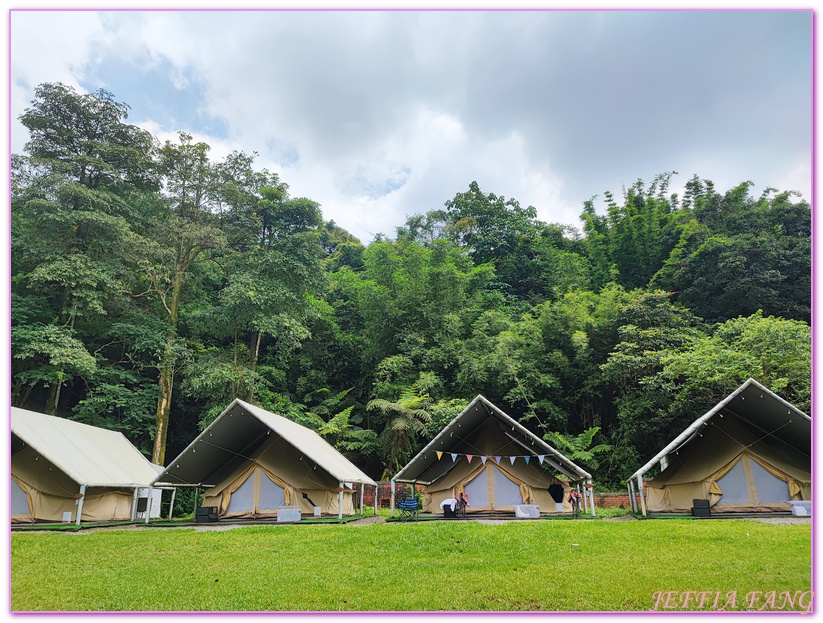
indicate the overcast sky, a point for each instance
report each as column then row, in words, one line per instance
column 378, row 115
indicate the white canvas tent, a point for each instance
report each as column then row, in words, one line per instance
column 67, row 471
column 499, row 463
column 751, row 452
column 254, row 462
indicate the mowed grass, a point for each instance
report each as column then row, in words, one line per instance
column 462, row 566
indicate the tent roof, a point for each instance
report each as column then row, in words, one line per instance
column 425, row 468
column 237, row 433
column 90, row 456
column 759, row 408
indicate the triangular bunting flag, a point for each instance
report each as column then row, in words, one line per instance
column 484, row 459
column 527, row 459
column 469, row 457
column 512, row 458
column 454, row 457
column 439, row 455
column 497, row 458
column 541, row 457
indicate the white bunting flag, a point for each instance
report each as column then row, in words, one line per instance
column 512, row 458
column 541, row 457
column 484, row 459
column 497, row 458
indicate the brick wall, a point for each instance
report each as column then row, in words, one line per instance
column 612, row 500
column 401, row 491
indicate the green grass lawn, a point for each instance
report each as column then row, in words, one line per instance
column 544, row 565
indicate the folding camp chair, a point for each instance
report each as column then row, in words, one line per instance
column 408, row 509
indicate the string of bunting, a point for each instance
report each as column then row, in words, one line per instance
column 469, row 457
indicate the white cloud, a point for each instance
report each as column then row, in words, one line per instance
column 379, row 115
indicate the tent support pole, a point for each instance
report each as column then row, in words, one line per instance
column 148, row 504
column 642, row 496
column 133, row 515
column 171, row 504
column 632, row 496
column 362, row 495
column 340, row 503
column 194, row 511
column 376, row 492
column 392, row 498
column 80, row 501
column 591, row 495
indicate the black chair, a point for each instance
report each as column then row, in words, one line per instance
column 408, row 509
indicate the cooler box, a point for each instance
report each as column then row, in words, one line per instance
column 288, row 513
column 701, row 508
column 527, row 511
column 801, row 508
column 205, row 514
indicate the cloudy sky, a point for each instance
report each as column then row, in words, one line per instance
column 378, row 115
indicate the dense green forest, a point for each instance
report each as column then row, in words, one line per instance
column 151, row 285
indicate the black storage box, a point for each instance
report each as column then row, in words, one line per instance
column 701, row 508
column 448, row 513
column 205, row 514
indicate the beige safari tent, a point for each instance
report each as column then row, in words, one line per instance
column 496, row 461
column 253, row 462
column 67, row 471
column 750, row 453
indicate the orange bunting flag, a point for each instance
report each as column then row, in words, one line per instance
column 439, row 455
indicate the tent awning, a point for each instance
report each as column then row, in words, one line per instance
column 237, row 433
column 761, row 409
column 90, row 456
column 426, row 468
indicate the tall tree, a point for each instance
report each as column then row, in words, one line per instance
column 73, row 197
column 182, row 238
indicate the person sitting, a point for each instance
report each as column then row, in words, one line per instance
column 462, row 503
column 575, row 498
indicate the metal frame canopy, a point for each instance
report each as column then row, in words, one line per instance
column 759, row 408
column 425, row 468
column 236, row 434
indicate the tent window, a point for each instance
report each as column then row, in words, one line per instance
column 770, row 489
column 478, row 491
column 733, row 486
column 19, row 500
column 272, row 495
column 242, row 500
column 506, row 492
